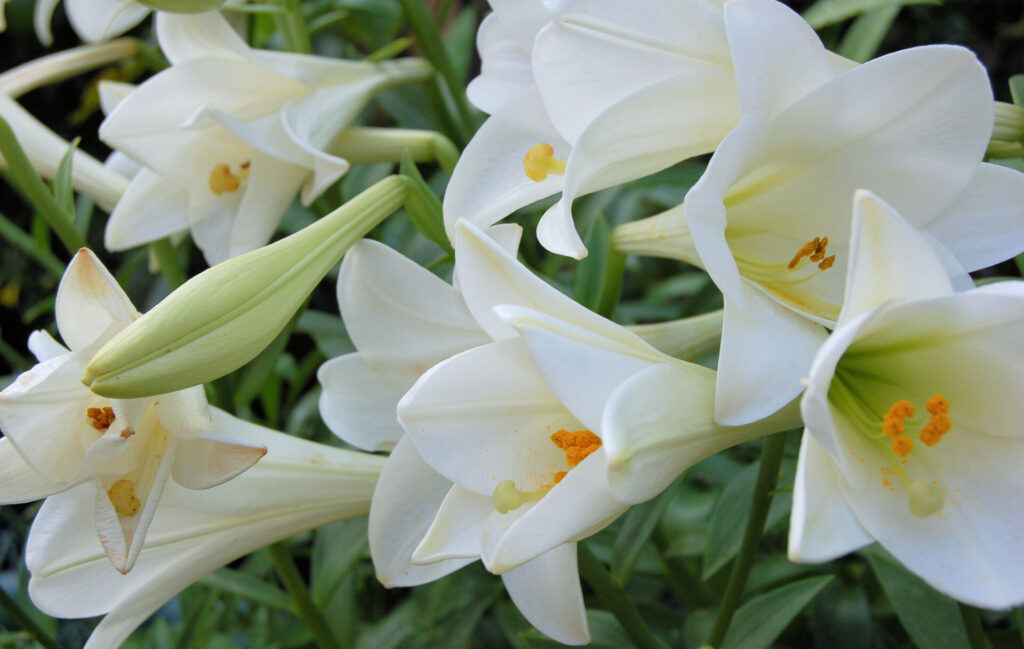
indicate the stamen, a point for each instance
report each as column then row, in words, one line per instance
column 827, row 262
column 222, row 180
column 577, row 444
column 902, row 446
column 939, row 424
column 122, row 497
column 507, row 498
column 805, row 250
column 814, row 250
column 937, row 405
column 101, row 417
column 540, row 161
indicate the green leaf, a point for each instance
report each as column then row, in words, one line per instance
column 761, row 620
column 1017, row 89
column 423, row 206
column 931, row 619
column 62, row 190
column 605, row 633
column 590, row 271
column 336, row 548
column 828, row 12
column 248, row 586
column 841, row 618
column 866, row 34
column 636, row 529
column 730, row 517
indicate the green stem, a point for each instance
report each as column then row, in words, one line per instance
column 767, row 476
column 975, row 631
column 616, row 600
column 293, row 27
column 30, row 185
column 688, row 584
column 26, row 622
column 304, row 604
column 24, row 242
column 429, row 38
column 64, row 65
column 170, row 265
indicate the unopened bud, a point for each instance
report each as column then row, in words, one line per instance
column 224, row 317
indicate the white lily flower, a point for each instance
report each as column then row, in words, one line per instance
column 236, row 131
column 769, row 220
column 505, row 458
column 126, row 447
column 92, row 20
column 610, row 94
column 913, row 417
column 299, row 485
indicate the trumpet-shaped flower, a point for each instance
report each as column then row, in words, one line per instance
column 236, row 131
column 299, row 485
column 769, row 220
column 912, row 415
column 126, row 448
column 504, row 457
column 586, row 95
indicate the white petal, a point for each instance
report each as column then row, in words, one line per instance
column 645, row 132
column 489, row 182
column 152, row 208
column 889, row 259
column 404, row 504
column 123, row 533
column 578, row 506
column 822, row 527
column 661, row 421
column 547, row 592
column 401, row 317
column 90, row 302
column 485, row 416
column 98, row 20
column 111, row 93
column 505, row 65
column 185, row 37
column 455, row 532
column 44, row 415
column 489, row 276
column 983, row 227
column 777, row 55
column 766, row 351
column 44, row 347
column 205, row 463
column 358, row 405
column 271, row 188
column 581, row 368
column 20, row 483
column 599, row 51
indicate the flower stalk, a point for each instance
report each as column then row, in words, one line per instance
column 767, row 476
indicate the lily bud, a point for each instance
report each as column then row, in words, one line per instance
column 222, row 318
column 183, row 6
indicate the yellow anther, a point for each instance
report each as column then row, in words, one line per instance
column 507, row 498
column 902, row 446
column 101, row 418
column 122, row 497
column 819, row 249
column 577, row 444
column 937, row 426
column 892, row 427
column 937, row 405
column 827, row 262
column 804, row 251
column 901, row 409
column 540, row 161
column 223, row 181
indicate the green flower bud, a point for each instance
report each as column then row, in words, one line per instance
column 183, row 6
column 224, row 317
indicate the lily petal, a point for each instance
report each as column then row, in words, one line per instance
column 90, row 302
column 20, row 483
column 455, row 532
column 152, row 208
column 358, row 405
column 98, row 20
column 547, row 592
column 404, row 504
column 822, row 526
column 186, row 37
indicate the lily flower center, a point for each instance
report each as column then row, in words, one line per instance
column 783, row 279
column 540, row 161
column 100, row 418
column 893, row 433
column 224, row 181
column 577, row 444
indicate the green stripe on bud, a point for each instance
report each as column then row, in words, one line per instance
column 224, row 317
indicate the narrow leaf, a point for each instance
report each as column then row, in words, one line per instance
column 423, row 206
column 828, row 12
column 763, row 619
